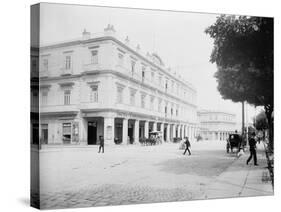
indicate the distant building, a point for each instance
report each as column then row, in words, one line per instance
column 101, row 85
column 216, row 125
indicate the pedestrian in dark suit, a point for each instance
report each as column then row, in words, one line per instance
column 253, row 153
column 101, row 141
column 187, row 145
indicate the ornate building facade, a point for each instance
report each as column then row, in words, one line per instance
column 216, row 125
column 100, row 85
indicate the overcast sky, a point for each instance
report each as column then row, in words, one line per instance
column 177, row 37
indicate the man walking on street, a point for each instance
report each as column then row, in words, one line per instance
column 101, row 141
column 253, row 153
column 187, row 145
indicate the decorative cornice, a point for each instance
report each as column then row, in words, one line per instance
column 47, row 87
column 134, row 115
column 57, row 113
column 210, row 112
column 66, row 84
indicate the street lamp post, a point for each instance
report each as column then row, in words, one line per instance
column 243, row 123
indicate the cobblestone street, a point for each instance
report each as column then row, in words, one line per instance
column 74, row 177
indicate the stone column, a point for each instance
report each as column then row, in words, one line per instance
column 168, row 136
column 191, row 132
column 162, row 130
column 214, row 135
column 108, row 130
column 146, row 129
column 83, row 137
column 182, row 131
column 162, row 127
column 125, row 131
column 136, row 131
column 188, row 131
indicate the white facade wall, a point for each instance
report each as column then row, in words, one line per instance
column 108, row 74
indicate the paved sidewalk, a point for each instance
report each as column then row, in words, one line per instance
column 241, row 180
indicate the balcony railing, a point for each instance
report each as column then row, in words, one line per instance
column 91, row 66
column 66, row 71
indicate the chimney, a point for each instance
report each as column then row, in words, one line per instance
column 138, row 48
column 86, row 35
column 127, row 41
column 109, row 30
column 148, row 55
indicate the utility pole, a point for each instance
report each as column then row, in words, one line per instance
column 243, row 123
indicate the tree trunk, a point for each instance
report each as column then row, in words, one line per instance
column 268, row 112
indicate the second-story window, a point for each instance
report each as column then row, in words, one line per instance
column 94, row 56
column 120, row 94
column 143, row 73
column 120, row 59
column 160, row 80
column 67, row 94
column 132, row 97
column 143, row 100
column 151, row 102
column 159, row 105
column 45, row 64
column 171, row 111
column 152, row 76
column 44, row 100
column 133, row 67
column 68, row 62
column 94, row 93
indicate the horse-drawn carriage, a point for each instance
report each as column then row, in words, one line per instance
column 234, row 141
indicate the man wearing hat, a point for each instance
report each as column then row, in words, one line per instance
column 253, row 153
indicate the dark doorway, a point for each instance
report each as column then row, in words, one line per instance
column 92, row 133
column 131, row 134
column 165, row 134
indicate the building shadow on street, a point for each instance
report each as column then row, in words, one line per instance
column 203, row 163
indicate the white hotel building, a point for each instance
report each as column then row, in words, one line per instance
column 101, row 85
column 216, row 125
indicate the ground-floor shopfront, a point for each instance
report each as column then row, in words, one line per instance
column 116, row 127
